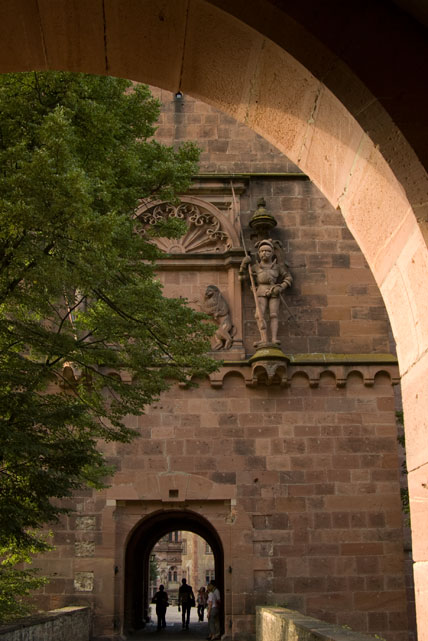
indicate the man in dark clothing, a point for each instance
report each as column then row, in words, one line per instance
column 161, row 600
column 186, row 599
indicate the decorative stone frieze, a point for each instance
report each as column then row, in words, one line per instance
column 272, row 367
column 281, row 370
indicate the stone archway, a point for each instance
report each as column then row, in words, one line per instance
column 310, row 103
column 141, row 541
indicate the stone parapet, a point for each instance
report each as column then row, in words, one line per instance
column 65, row 624
column 281, row 624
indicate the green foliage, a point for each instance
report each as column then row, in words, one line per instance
column 78, row 294
column 405, row 502
column 154, row 568
column 16, row 584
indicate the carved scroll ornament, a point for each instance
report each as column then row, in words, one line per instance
column 204, row 235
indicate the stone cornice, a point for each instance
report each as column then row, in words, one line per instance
column 201, row 262
column 312, row 366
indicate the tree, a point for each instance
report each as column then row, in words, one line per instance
column 78, row 294
column 154, row 568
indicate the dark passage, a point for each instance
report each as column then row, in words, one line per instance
column 140, row 615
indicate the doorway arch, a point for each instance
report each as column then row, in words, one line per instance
column 351, row 114
column 137, row 557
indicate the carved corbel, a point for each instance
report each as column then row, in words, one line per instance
column 269, row 367
column 269, row 373
column 341, row 377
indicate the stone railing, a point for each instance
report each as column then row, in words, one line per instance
column 65, row 624
column 281, row 624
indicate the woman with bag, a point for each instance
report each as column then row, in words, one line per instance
column 161, row 600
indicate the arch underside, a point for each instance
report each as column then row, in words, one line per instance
column 266, row 68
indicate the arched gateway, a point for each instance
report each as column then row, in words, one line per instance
column 141, row 541
column 355, row 122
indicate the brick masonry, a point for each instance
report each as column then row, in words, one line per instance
column 300, row 480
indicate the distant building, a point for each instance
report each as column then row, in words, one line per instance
column 181, row 555
column 197, row 560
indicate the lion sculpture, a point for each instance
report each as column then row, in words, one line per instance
column 215, row 305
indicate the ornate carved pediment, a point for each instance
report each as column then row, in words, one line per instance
column 208, row 229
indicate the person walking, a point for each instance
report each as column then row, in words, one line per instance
column 202, row 602
column 161, row 601
column 213, row 612
column 186, row 599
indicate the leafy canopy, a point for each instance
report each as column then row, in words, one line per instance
column 78, row 294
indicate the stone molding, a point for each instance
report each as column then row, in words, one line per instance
column 281, row 372
column 172, row 488
column 312, row 366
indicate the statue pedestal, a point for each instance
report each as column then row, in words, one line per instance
column 268, row 351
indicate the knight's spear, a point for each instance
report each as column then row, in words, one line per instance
column 261, row 323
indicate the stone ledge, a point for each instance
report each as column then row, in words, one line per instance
column 281, row 624
column 312, row 366
column 317, row 358
column 343, row 358
column 56, row 624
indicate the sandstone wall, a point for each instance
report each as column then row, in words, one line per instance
column 334, row 299
column 299, row 478
column 309, row 475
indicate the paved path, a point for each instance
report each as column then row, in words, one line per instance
column 173, row 630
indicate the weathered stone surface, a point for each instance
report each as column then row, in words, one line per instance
column 281, row 624
column 84, row 548
column 66, row 624
column 85, row 522
column 84, row 581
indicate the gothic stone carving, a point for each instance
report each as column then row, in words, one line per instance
column 204, row 235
